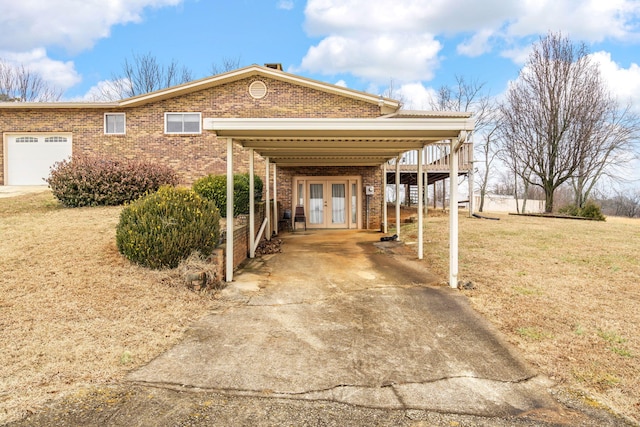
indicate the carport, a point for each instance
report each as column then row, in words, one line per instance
column 286, row 142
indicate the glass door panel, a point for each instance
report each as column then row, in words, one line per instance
column 338, row 204
column 316, row 204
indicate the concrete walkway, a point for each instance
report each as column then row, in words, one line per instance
column 340, row 316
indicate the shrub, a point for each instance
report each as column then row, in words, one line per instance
column 589, row 210
column 93, row 181
column 592, row 210
column 571, row 210
column 214, row 187
column 163, row 228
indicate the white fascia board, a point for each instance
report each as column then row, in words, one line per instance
column 235, row 125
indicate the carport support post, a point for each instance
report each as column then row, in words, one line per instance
column 385, row 219
column 252, row 207
column 398, row 197
column 470, row 178
column 275, row 199
column 229, row 260
column 268, row 206
column 453, row 210
column 420, row 206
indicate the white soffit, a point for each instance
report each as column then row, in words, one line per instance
column 341, row 142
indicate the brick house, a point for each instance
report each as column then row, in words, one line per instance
column 318, row 145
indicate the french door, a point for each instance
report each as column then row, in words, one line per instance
column 329, row 202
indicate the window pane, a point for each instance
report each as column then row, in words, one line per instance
column 338, row 203
column 26, row 139
column 316, row 204
column 174, row 123
column 192, row 123
column 354, row 205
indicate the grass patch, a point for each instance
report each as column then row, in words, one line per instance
column 532, row 333
column 523, row 290
column 616, row 342
column 70, row 304
column 572, row 284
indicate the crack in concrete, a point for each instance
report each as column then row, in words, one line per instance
column 267, row 392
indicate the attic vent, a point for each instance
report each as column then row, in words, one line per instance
column 258, row 90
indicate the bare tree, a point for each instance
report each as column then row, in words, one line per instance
column 20, row 84
column 227, row 64
column 608, row 152
column 470, row 96
column 144, row 74
column 393, row 93
column 556, row 116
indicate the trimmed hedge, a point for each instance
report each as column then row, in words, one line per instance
column 214, row 187
column 95, row 181
column 163, row 228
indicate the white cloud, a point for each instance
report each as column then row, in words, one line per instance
column 285, row 4
column 434, row 16
column 376, row 57
column 105, row 90
column 593, row 20
column 519, row 55
column 375, row 39
column 341, row 83
column 416, row 96
column 71, row 24
column 477, row 45
column 60, row 74
column 624, row 83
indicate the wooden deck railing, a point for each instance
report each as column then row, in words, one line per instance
column 437, row 158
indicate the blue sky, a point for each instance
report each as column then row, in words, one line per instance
column 362, row 44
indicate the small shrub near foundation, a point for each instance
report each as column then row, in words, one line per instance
column 98, row 181
column 163, row 228
column 214, row 187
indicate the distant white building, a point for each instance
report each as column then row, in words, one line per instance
column 500, row 203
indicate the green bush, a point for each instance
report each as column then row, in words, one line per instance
column 589, row 210
column 163, row 228
column 571, row 210
column 94, row 181
column 214, row 187
column 592, row 210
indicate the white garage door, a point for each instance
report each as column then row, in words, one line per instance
column 30, row 156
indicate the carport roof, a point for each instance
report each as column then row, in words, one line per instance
column 339, row 141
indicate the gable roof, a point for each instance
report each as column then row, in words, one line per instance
column 387, row 105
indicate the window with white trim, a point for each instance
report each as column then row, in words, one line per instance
column 182, row 122
column 114, row 123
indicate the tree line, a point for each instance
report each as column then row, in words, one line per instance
column 140, row 74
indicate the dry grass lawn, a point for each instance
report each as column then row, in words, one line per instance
column 565, row 292
column 73, row 312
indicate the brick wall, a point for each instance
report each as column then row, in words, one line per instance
column 192, row 156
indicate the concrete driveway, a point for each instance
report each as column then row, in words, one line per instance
column 340, row 316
